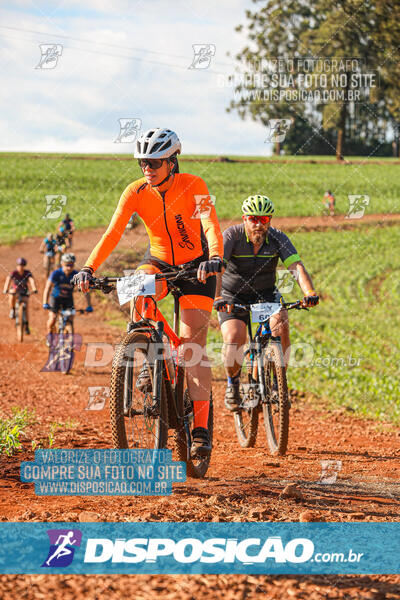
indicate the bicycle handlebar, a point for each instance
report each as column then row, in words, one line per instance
column 298, row 305
column 107, row 284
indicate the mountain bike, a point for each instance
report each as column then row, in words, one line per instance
column 60, row 250
column 64, row 340
column 48, row 262
column 141, row 417
column 263, row 385
column 69, row 239
column 21, row 321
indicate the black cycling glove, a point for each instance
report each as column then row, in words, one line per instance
column 311, row 300
column 209, row 267
column 84, row 276
column 220, row 304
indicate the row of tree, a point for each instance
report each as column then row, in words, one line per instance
column 322, row 32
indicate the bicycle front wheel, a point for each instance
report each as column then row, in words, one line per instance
column 246, row 418
column 276, row 400
column 66, row 348
column 136, row 420
column 19, row 322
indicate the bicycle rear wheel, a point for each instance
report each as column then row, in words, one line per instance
column 276, row 402
column 135, row 421
column 246, row 418
column 198, row 467
column 66, row 348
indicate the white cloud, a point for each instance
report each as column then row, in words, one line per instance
column 76, row 106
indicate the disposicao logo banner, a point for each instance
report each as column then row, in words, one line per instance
column 257, row 548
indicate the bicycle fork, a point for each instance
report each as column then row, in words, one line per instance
column 260, row 366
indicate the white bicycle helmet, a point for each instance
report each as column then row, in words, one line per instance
column 157, row 143
column 258, row 206
column 68, row 258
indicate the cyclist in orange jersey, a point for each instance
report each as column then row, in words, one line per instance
column 182, row 225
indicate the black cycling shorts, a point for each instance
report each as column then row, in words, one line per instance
column 194, row 294
column 57, row 304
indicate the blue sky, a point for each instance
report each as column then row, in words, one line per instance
column 121, row 59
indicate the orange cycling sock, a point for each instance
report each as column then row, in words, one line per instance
column 201, row 408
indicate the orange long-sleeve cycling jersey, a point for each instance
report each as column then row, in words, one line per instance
column 180, row 223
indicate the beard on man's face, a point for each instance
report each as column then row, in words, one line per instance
column 257, row 237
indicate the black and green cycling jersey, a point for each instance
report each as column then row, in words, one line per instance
column 248, row 274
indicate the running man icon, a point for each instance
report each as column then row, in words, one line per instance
column 61, row 553
column 62, row 549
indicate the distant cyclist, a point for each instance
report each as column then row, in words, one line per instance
column 18, row 282
column 61, row 243
column 252, row 251
column 48, row 247
column 68, row 224
column 59, row 289
column 329, row 203
column 168, row 203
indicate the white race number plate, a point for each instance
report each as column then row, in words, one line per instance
column 262, row 311
column 138, row 284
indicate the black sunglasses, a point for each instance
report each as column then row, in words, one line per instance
column 154, row 163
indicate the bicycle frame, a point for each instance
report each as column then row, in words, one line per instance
column 21, row 298
column 149, row 314
column 65, row 316
column 262, row 336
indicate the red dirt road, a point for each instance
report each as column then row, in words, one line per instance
column 241, row 484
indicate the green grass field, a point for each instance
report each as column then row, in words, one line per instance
column 357, row 273
column 92, row 188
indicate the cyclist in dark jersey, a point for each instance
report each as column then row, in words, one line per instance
column 48, row 247
column 61, row 244
column 251, row 252
column 18, row 282
column 61, row 287
column 68, row 225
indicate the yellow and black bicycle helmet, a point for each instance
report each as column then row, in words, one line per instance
column 258, row 205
